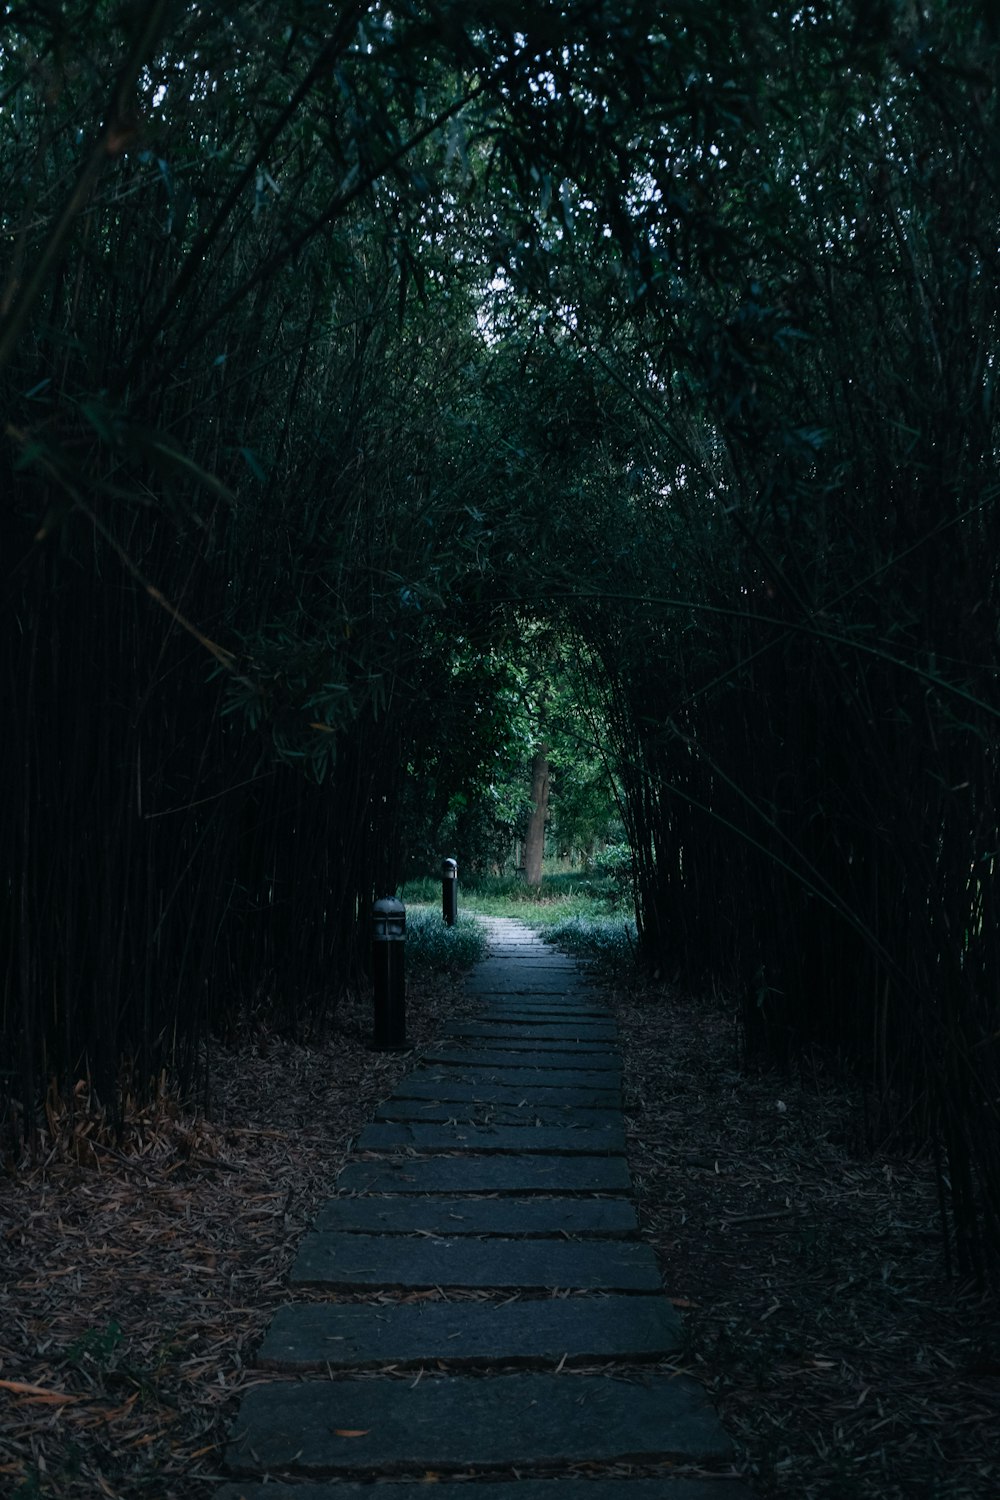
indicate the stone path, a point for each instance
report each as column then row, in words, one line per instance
column 512, row 1321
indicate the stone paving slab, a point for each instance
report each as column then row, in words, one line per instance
column 581, row 1004
column 546, row 981
column 571, row 1140
column 495, row 1007
column 664, row 1487
column 531, row 1043
column 493, row 1057
column 552, row 1218
column 525, row 970
column 532, row 1031
column 524, row 1014
column 505, row 966
column 582, row 1000
column 523, row 1114
column 457, row 1422
column 541, row 1026
column 518, row 1078
column 352, row 1262
column 447, row 1089
column 572, row 990
column 321, row 1335
column 534, row 960
column 559, row 1007
column 527, row 941
column 537, row 954
column 568, row 986
column 544, row 1148
column 525, row 1019
column 488, row 1174
column 504, row 971
column 542, row 955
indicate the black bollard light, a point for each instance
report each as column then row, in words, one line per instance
column 449, row 891
column 389, row 975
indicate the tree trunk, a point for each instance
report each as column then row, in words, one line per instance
column 534, row 838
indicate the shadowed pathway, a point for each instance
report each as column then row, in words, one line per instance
column 494, row 1181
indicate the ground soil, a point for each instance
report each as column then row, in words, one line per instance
column 137, row 1274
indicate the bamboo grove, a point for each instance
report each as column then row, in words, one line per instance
column 342, row 348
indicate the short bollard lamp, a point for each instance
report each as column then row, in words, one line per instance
column 449, row 891
column 389, row 974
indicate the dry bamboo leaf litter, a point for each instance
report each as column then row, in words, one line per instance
column 810, row 1273
column 136, row 1279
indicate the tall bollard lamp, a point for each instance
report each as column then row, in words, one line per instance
column 449, row 891
column 389, row 975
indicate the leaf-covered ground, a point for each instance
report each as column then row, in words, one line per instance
column 810, row 1272
column 137, row 1278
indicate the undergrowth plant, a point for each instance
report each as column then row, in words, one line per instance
column 578, row 913
column 609, row 942
column 431, row 944
column 558, row 896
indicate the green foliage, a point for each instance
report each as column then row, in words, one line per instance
column 615, row 862
column 804, row 604
column 609, row 942
column 390, row 392
column 484, row 713
column 578, row 913
column 465, row 789
column 560, row 896
column 431, row 944
column 423, row 890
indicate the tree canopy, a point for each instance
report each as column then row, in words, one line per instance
column 348, row 349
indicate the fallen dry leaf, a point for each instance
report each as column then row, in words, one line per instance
column 37, row 1394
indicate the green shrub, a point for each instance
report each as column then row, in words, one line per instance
column 615, row 863
column 607, row 941
column 430, row 944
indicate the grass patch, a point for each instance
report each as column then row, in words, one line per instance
column 425, row 891
column 581, row 913
column 564, row 894
column 557, row 898
column 432, row 945
column 607, row 941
